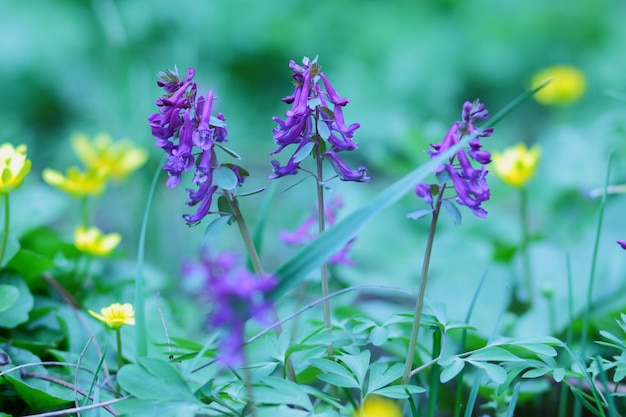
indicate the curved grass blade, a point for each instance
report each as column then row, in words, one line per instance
column 310, row 256
column 141, row 333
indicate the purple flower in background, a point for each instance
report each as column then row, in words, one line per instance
column 469, row 182
column 622, row 243
column 186, row 131
column 236, row 295
column 316, row 117
column 308, row 231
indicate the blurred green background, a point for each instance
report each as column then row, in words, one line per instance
column 407, row 66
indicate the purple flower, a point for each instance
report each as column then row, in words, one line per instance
column 344, row 171
column 307, row 231
column 622, row 243
column 236, row 295
column 422, row 190
column 469, row 182
column 316, row 115
column 186, row 131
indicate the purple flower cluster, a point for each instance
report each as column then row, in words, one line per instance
column 236, row 296
column 307, row 232
column 470, row 183
column 311, row 122
column 622, row 243
column 186, row 131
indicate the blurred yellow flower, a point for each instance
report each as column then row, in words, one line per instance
column 119, row 159
column 374, row 406
column 116, row 315
column 567, row 85
column 77, row 183
column 13, row 167
column 94, row 242
column 517, row 164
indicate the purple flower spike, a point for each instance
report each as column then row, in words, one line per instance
column 236, row 296
column 316, row 115
column 469, row 182
column 622, row 243
column 185, row 130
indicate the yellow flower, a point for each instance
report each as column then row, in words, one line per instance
column 116, row 315
column 118, row 159
column 13, row 167
column 517, row 164
column 567, row 85
column 378, row 407
column 77, row 183
column 94, row 242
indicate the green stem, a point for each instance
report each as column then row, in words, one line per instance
column 321, row 216
column 422, row 289
column 434, row 375
column 256, row 264
column 5, row 235
column 528, row 279
column 245, row 233
column 120, row 360
column 592, row 273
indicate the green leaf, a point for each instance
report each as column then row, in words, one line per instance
column 214, row 228
column 8, row 296
column 13, row 246
column 150, row 408
column 17, row 313
column 38, row 398
column 335, row 374
column 399, row 391
column 451, row 368
column 416, row 215
column 538, row 348
column 494, row 372
column 155, row 379
column 228, row 150
column 536, row 373
column 381, row 375
column 277, row 347
column 452, row 211
column 558, row 374
column 282, row 391
column 30, row 265
column 379, row 335
column 303, row 152
column 38, row 393
column 494, row 353
column 323, row 130
column 225, row 178
column 358, row 364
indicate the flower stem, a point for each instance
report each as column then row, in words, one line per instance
column 256, row 263
column 120, row 360
column 422, row 289
column 245, row 233
column 528, row 279
column 321, row 216
column 434, row 375
column 5, row 235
